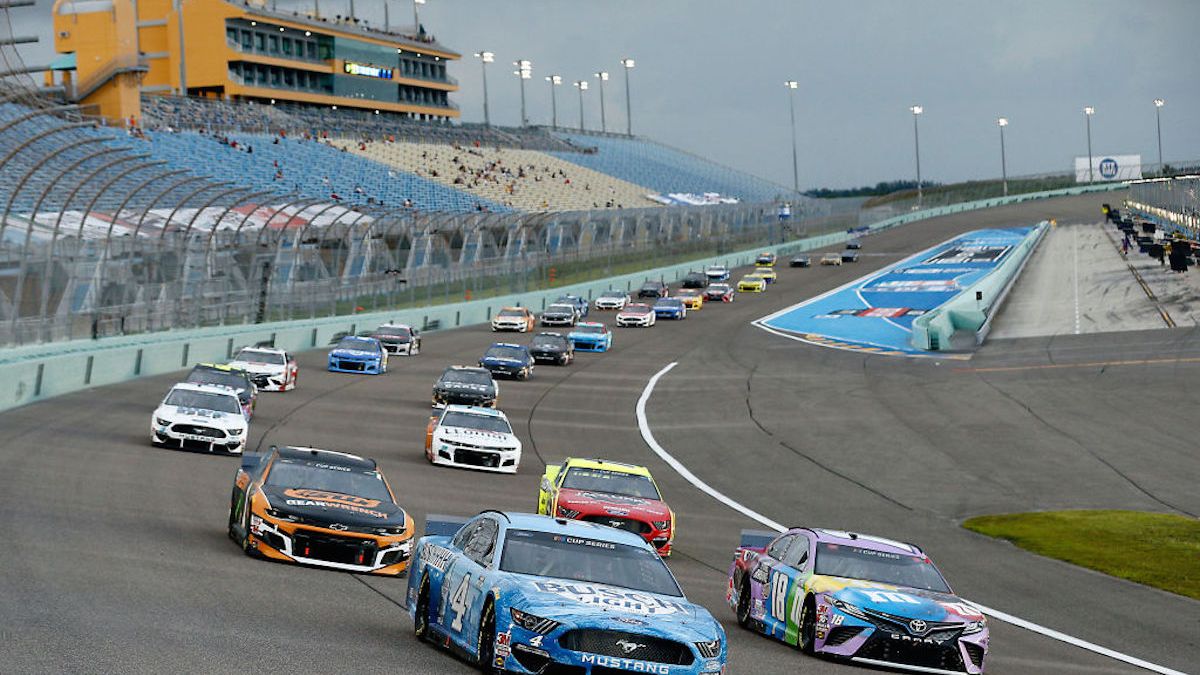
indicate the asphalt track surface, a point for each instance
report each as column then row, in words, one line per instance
column 115, row 558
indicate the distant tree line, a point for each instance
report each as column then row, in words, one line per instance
column 881, row 188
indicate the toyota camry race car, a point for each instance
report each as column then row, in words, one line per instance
column 472, row 438
column 519, row 593
column 717, row 273
column 590, row 337
column 200, row 417
column 615, row 494
column 227, row 376
column 560, row 314
column 319, row 507
column 719, row 293
column 637, row 314
column 506, row 358
column 519, row 319
column 466, row 385
column 270, row 369
column 867, row 599
column 670, row 308
column 692, row 298
column 612, row 299
column 552, row 348
column 358, row 354
column 751, row 284
column 399, row 339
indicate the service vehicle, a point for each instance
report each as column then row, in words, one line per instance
column 560, row 314
column 466, row 385
column 695, row 280
column 552, row 348
column 590, row 337
column 751, row 284
column 653, row 289
column 721, row 292
column 204, row 417
column 637, row 314
column 521, row 593
column 801, row 260
column 518, row 319
column 471, row 437
column 692, row 298
column 358, row 354
column 612, row 299
column 508, row 359
column 320, row 508
column 398, row 339
column 765, row 259
column 716, row 273
column 236, row 379
column 832, row 258
column 270, row 369
column 670, row 308
column 867, row 599
column 615, row 494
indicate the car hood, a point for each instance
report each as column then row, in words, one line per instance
column 353, row 353
column 465, row 386
column 547, row 348
column 333, row 507
column 898, row 601
column 200, row 416
column 503, row 360
column 591, row 502
column 586, row 336
column 585, row 603
column 258, row 368
column 473, row 436
column 634, row 314
column 392, row 338
column 559, row 313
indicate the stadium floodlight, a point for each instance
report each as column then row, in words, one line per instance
column 582, row 86
column 1003, row 122
column 555, row 81
column 628, row 64
column 916, row 111
column 1158, row 104
column 484, row 59
column 523, row 72
column 602, row 77
column 1088, row 111
column 792, row 86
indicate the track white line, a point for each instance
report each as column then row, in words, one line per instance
column 653, row 444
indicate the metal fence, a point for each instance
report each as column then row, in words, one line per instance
column 1177, row 195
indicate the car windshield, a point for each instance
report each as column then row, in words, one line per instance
column 589, row 328
column 546, row 554
column 650, row 286
column 561, row 309
column 466, row 420
column 259, row 356
column 668, row 302
column 467, row 376
column 225, row 378
column 718, row 288
column 715, row 270
column 394, row 331
column 611, row 482
column 357, row 344
column 511, row 313
column 287, row 473
column 505, row 353
column 637, row 309
column 204, row 400
column 852, row 562
column 615, row 295
column 565, row 300
column 549, row 341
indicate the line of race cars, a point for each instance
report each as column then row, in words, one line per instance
column 581, row 586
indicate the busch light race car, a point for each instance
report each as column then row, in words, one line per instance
column 590, row 337
column 466, row 385
column 520, row 593
column 506, row 358
column 358, row 354
column 204, row 417
column 321, row 508
column 269, row 368
column 867, row 599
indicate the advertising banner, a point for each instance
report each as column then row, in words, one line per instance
column 1108, row 168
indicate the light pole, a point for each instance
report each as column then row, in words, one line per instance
column 916, row 111
column 628, row 63
column 1088, row 111
column 523, row 72
column 1003, row 122
column 484, row 59
column 792, row 85
column 1158, row 104
column 417, row 16
column 602, row 77
column 581, row 85
column 554, row 81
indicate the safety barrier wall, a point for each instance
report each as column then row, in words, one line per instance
column 37, row 372
column 973, row 308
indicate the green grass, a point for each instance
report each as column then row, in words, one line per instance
column 1156, row 549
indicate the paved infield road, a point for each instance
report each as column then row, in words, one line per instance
column 115, row 558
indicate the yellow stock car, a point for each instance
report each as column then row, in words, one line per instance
column 765, row 259
column 752, row 284
column 693, row 298
column 768, row 274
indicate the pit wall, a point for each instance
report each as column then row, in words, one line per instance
column 972, row 310
column 35, row 372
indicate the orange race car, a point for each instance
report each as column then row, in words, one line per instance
column 321, row 508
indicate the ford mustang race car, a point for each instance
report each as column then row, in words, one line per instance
column 590, row 337
column 832, row 258
column 653, row 289
column 466, row 385
column 560, row 314
column 204, row 417
column 357, row 354
column 694, row 280
column 615, row 494
column 612, row 299
column 519, row 319
column 552, row 348
column 767, row 274
column 670, row 308
column 319, row 507
column 867, row 599
column 637, row 314
column 580, row 304
column 717, row 273
column 506, row 358
column 519, row 593
column 399, row 339
column 765, row 259
column 751, row 284
column 692, row 298
column 472, row 438
column 719, row 293
column 270, row 369
column 227, row 376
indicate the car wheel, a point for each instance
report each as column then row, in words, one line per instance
column 233, row 500
column 421, row 619
column 808, row 628
column 487, row 639
column 743, row 604
column 245, row 542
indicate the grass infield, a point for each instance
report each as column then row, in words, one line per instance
column 1156, row 549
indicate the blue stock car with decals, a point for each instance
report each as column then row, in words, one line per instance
column 356, row 354
column 520, row 593
column 590, row 337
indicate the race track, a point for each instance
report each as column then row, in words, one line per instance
column 115, row 557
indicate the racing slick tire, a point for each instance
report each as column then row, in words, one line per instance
column 245, row 540
column 487, row 639
column 807, row 639
column 743, row 605
column 415, row 349
column 232, row 502
column 421, row 620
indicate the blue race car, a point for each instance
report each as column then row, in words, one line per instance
column 519, row 593
column 590, row 337
column 670, row 308
column 505, row 358
column 355, row 354
column 581, row 305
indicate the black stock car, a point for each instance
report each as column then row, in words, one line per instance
column 465, row 385
column 552, row 348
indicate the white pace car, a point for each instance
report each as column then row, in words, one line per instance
column 612, row 300
column 200, row 417
column 270, row 369
column 470, row 437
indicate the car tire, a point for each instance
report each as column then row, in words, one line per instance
column 743, row 604
column 807, row 638
column 233, row 498
column 487, row 639
column 245, row 541
column 421, row 615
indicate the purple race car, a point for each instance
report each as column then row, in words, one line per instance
column 871, row 600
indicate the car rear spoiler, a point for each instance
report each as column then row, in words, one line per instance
column 265, row 343
column 757, row 538
column 337, row 337
column 439, row 524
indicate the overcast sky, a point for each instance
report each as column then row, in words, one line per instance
column 709, row 76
